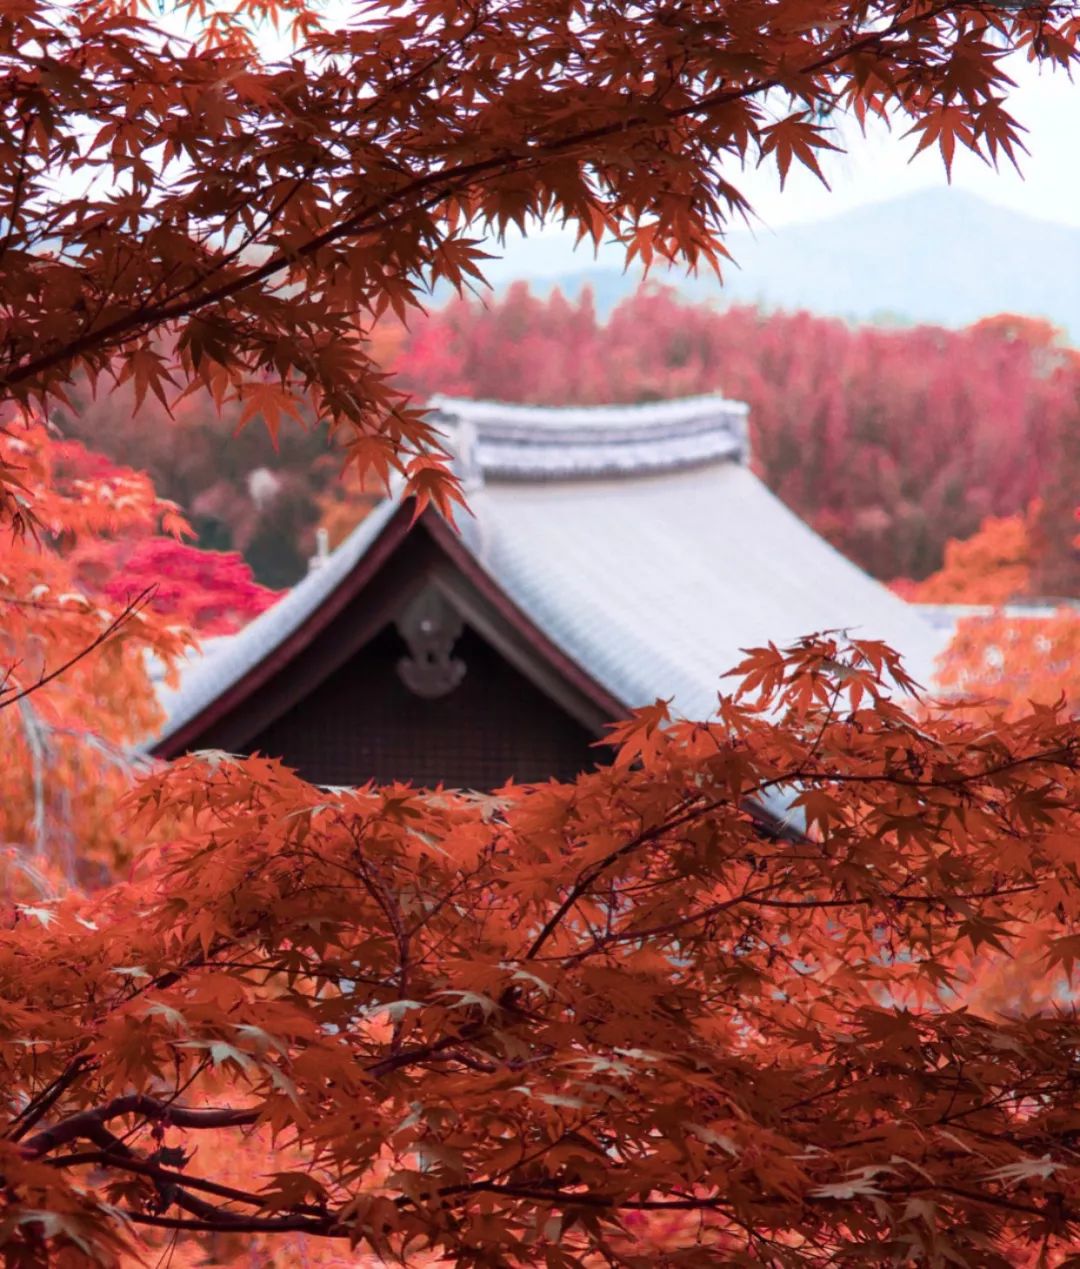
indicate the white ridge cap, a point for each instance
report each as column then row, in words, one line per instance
column 496, row 440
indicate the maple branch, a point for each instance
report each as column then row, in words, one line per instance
column 1065, row 755
column 571, row 1198
column 135, row 605
column 699, row 1203
column 36, row 1109
column 221, row 1223
column 211, row 1219
column 590, row 874
column 972, row 1196
column 167, row 1176
column 891, row 897
column 753, row 897
column 19, row 189
column 87, row 1124
column 442, row 183
column 171, row 1186
column 368, row 875
column 401, row 83
column 670, row 927
column 799, row 775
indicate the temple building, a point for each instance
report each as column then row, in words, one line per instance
column 614, row 555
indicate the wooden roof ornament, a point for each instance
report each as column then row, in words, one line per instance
column 615, row 555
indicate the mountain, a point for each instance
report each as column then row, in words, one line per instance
column 940, row 255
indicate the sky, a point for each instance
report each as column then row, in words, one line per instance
column 879, row 167
column 1047, row 103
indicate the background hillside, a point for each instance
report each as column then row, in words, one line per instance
column 942, row 255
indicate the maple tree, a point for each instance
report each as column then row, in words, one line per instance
column 488, row 1026
column 120, row 560
column 1013, row 655
column 76, row 687
column 503, row 1028
column 993, row 566
column 212, row 592
column 1010, row 654
column 1056, row 546
column 1013, row 658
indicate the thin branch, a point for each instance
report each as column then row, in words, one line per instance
column 137, row 603
column 86, row 1123
column 166, row 1176
column 36, row 1109
column 241, row 1225
column 590, row 874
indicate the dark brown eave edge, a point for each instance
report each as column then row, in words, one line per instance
column 400, row 525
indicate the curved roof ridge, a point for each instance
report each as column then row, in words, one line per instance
column 498, row 440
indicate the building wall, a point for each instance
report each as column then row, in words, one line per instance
column 362, row 723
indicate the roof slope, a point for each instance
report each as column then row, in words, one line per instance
column 635, row 539
column 655, row 584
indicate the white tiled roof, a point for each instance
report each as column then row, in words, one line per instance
column 649, row 572
column 655, row 583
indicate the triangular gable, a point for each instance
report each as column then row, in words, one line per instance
column 271, row 665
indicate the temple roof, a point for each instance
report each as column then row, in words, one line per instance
column 634, row 540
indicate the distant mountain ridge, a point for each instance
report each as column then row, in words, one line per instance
column 942, row 256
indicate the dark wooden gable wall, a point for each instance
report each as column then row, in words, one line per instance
column 362, row 723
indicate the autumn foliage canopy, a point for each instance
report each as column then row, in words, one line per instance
column 786, row 986
column 890, row 442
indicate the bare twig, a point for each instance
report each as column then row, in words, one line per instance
column 134, row 606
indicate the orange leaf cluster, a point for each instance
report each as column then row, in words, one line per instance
column 993, row 566
column 725, row 976
column 1013, row 660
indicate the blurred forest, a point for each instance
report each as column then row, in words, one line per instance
column 241, row 491
column 890, row 442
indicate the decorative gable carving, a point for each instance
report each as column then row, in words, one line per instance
column 430, row 627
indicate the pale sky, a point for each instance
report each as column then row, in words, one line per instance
column 878, row 168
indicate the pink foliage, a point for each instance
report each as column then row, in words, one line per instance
column 212, row 591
